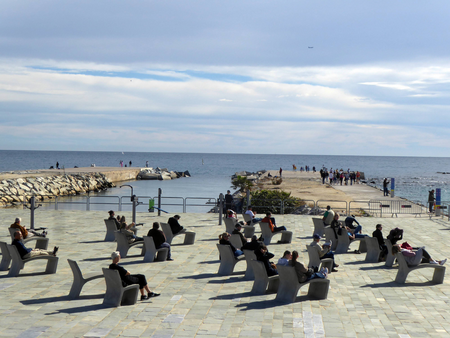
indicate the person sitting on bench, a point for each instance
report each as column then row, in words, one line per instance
column 26, row 233
column 285, row 259
column 128, row 279
column 271, row 222
column 159, row 238
column 264, row 256
column 253, row 244
column 324, row 251
column 112, row 218
column 225, row 240
column 174, row 224
column 25, row 252
column 414, row 258
column 252, row 215
column 237, row 231
column 304, row 273
column 125, row 228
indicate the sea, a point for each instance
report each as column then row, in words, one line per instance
column 211, row 173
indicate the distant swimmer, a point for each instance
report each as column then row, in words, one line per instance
column 310, row 47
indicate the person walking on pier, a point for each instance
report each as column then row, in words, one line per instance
column 431, row 200
column 385, row 187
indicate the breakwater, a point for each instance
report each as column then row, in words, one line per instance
column 15, row 191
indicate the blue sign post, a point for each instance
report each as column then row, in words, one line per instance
column 437, row 208
column 392, row 187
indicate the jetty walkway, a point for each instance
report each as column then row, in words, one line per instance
column 364, row 300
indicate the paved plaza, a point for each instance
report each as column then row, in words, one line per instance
column 363, row 300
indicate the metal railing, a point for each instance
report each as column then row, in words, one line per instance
column 394, row 207
column 344, row 210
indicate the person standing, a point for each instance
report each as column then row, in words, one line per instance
column 385, row 187
column 228, row 200
column 146, row 164
column 130, row 163
column 431, row 200
column 281, row 172
column 57, row 165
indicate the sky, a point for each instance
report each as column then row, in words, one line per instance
column 264, row 77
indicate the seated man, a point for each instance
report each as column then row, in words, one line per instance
column 328, row 216
column 264, row 256
column 272, row 226
column 379, row 236
column 112, row 218
column 26, row 233
column 355, row 230
column 254, row 244
column 174, row 225
column 323, row 251
column 237, row 231
column 28, row 253
column 252, row 215
column 159, row 238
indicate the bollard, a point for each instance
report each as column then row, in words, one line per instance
column 159, row 201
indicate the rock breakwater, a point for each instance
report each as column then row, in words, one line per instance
column 15, row 191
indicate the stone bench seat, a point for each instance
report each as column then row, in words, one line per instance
column 123, row 246
column 79, row 279
column 319, row 226
column 289, row 286
column 314, row 259
column 151, row 251
column 110, row 228
column 189, row 236
column 41, row 242
column 267, row 234
column 262, row 282
column 227, row 260
column 6, row 257
column 17, row 263
column 404, row 269
column 116, row 294
column 373, row 250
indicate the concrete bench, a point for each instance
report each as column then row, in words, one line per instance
column 248, row 218
column 319, row 226
column 262, row 282
column 17, row 263
column 230, row 224
column 189, row 236
column 373, row 250
column 227, row 260
column 116, row 294
column 267, row 234
column 404, row 269
column 235, row 239
column 314, row 259
column 41, row 242
column 6, row 257
column 110, row 228
column 344, row 243
column 289, row 285
column 151, row 251
column 329, row 236
column 249, row 231
column 79, row 279
column 123, row 246
column 390, row 258
column 249, row 255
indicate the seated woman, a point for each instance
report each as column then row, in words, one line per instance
column 303, row 273
column 225, row 239
column 414, row 258
column 263, row 255
column 129, row 279
column 231, row 214
column 126, row 229
column 285, row 259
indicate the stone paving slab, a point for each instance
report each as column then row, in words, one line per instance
column 363, row 300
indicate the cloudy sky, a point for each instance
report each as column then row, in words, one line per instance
column 287, row 77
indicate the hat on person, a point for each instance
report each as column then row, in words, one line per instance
column 316, row 236
column 18, row 220
column 238, row 225
column 115, row 254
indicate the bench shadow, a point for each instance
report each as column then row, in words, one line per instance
column 267, row 304
column 78, row 309
column 89, row 242
column 210, row 262
column 201, row 276
column 96, row 259
column 377, row 267
column 229, row 280
column 209, row 240
column 60, row 299
column 27, row 274
column 357, row 263
column 393, row 284
column 232, row 296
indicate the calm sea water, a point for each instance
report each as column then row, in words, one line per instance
column 211, row 173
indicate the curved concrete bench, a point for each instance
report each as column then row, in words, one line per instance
column 6, row 257
column 249, row 255
column 230, row 224
column 189, row 236
column 18, row 263
column 235, row 239
column 116, row 294
column 79, row 279
column 151, row 251
column 373, row 250
column 227, row 260
column 41, row 242
column 248, row 218
column 319, row 226
column 110, row 228
column 267, row 234
column 289, row 285
column 263, row 283
column 123, row 246
column 390, row 258
column 314, row 259
column 249, row 231
column 329, row 236
column 344, row 243
column 404, row 269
